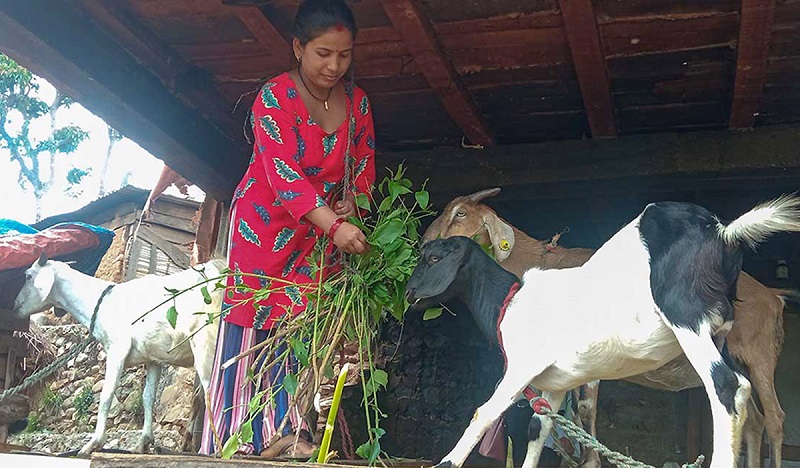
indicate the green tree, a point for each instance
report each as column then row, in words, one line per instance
column 20, row 106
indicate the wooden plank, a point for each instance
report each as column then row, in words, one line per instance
column 658, row 34
column 103, row 460
column 10, row 460
column 755, row 29
column 181, row 224
column 175, row 253
column 56, row 42
column 268, row 37
column 172, row 69
column 580, row 26
column 420, row 39
column 133, row 260
column 462, row 170
column 206, row 240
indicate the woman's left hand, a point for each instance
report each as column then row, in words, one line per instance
column 345, row 208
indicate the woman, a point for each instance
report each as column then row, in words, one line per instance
column 302, row 122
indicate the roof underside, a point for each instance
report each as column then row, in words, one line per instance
column 671, row 65
column 445, row 72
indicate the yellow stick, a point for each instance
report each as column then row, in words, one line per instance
column 322, row 457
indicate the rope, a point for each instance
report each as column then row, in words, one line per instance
column 41, row 374
column 347, row 439
column 542, row 407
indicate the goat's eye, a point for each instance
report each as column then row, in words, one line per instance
column 28, row 277
column 433, row 259
column 461, row 214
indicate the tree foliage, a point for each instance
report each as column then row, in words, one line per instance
column 20, row 106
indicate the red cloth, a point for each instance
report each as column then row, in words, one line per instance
column 21, row 250
column 294, row 168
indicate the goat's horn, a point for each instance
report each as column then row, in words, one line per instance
column 42, row 259
column 478, row 196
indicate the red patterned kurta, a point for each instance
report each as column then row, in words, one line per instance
column 294, row 168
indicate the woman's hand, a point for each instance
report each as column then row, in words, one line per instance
column 345, row 208
column 350, row 239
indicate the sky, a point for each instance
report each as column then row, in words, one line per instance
column 128, row 158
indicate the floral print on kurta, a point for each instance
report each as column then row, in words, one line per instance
column 295, row 167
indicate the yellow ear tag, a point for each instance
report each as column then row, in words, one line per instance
column 504, row 245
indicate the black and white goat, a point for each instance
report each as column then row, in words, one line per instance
column 660, row 286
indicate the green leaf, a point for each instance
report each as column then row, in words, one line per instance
column 422, row 197
column 255, row 402
column 432, row 313
column 172, row 291
column 247, row 432
column 362, row 201
column 377, row 379
column 231, row 446
column 386, row 205
column 172, row 316
column 290, row 384
column 396, row 189
column 388, row 232
column 300, row 351
column 206, row 295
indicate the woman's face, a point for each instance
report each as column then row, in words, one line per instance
column 326, row 58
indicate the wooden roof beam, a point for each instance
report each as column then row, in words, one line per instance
column 583, row 36
column 755, row 30
column 417, row 33
column 265, row 32
column 179, row 76
column 60, row 44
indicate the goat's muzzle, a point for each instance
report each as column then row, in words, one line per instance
column 410, row 296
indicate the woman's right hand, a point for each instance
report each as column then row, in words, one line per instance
column 350, row 239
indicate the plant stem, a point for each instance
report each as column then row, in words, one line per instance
column 322, row 457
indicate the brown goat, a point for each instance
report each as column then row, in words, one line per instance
column 755, row 339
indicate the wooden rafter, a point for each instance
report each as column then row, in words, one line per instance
column 755, row 29
column 92, row 68
column 580, row 25
column 177, row 74
column 265, row 32
column 418, row 35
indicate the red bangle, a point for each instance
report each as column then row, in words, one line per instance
column 334, row 227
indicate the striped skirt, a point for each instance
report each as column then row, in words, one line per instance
column 233, row 388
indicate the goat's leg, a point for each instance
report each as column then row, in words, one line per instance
column 510, row 386
column 728, row 393
column 539, row 429
column 752, row 433
column 115, row 363
column 148, row 404
column 764, row 384
column 587, row 409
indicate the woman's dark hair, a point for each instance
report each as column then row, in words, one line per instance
column 314, row 17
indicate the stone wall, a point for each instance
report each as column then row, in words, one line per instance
column 67, row 414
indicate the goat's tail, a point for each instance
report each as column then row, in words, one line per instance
column 755, row 226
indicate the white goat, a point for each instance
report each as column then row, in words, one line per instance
column 151, row 340
column 754, row 340
column 659, row 287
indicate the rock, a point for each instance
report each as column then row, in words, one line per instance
column 115, row 408
column 131, row 402
column 97, row 387
column 69, row 413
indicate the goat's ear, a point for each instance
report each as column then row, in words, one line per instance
column 42, row 259
column 501, row 235
column 478, row 196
